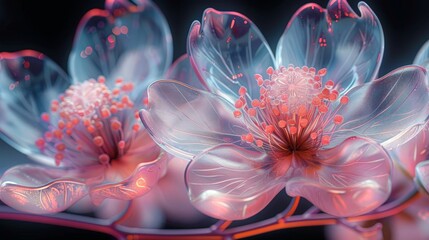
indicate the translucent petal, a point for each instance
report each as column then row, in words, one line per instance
column 173, row 186
column 409, row 154
column 352, row 179
column 422, row 57
column 132, row 42
column 185, row 121
column 142, row 180
column 410, row 223
column 182, row 71
column 387, row 108
column 349, row 46
column 29, row 81
column 43, row 190
column 231, row 183
column 227, row 50
column 143, row 212
column 422, row 175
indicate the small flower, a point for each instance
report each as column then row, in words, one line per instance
column 313, row 121
column 85, row 128
column 412, row 156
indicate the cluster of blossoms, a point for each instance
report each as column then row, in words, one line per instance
column 233, row 127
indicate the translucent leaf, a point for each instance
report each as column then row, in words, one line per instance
column 186, row 121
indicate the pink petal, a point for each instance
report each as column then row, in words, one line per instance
column 409, row 154
column 167, row 200
column 386, row 109
column 227, row 50
column 231, row 183
column 340, row 232
column 142, row 149
column 43, row 190
column 186, row 121
column 29, row 81
column 144, row 178
column 349, row 46
column 182, row 71
column 422, row 175
column 422, row 57
column 172, row 192
column 352, row 179
column 144, row 211
column 127, row 41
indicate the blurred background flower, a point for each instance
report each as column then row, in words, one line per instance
column 50, row 29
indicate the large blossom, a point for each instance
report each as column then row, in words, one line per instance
column 83, row 129
column 313, row 120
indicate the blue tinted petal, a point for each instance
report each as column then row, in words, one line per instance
column 387, row 109
column 182, row 71
column 422, row 57
column 127, row 41
column 227, row 50
column 29, row 81
column 349, row 46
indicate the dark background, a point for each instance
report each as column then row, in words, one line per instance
column 49, row 27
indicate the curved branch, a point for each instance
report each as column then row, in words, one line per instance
column 64, row 220
column 268, row 225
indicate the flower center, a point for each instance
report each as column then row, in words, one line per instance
column 294, row 113
column 90, row 122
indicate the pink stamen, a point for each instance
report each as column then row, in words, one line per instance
column 115, row 125
column 40, row 143
column 104, row 158
column 293, row 112
column 45, row 117
column 136, row 127
column 98, row 141
column 92, row 119
column 60, row 146
column 58, row 158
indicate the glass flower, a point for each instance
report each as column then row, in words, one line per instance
column 412, row 155
column 84, row 129
column 410, row 223
column 313, row 120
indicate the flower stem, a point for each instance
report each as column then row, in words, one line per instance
column 218, row 231
column 65, row 220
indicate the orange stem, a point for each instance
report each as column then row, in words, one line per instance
column 218, row 232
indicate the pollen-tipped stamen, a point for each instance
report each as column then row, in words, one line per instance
column 294, row 111
column 90, row 121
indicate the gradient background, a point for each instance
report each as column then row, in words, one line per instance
column 49, row 28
